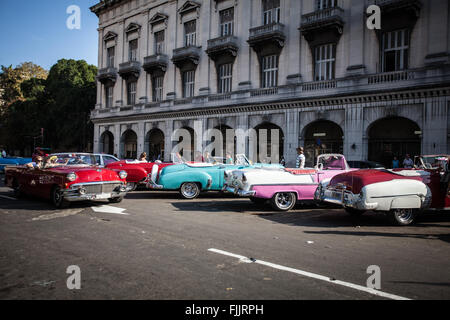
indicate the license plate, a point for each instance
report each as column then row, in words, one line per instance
column 337, row 195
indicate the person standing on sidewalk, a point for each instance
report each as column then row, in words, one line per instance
column 301, row 159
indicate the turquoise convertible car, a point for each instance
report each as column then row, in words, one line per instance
column 192, row 178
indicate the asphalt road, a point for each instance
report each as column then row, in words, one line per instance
column 156, row 246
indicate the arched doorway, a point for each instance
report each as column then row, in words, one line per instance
column 393, row 137
column 322, row 137
column 129, row 145
column 275, row 149
column 154, row 142
column 107, row 143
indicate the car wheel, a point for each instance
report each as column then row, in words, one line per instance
column 403, row 217
column 58, row 198
column 190, row 190
column 258, row 201
column 115, row 200
column 132, row 186
column 284, row 201
column 354, row 212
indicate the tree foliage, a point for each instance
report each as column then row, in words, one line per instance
column 60, row 103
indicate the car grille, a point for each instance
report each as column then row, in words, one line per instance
column 101, row 188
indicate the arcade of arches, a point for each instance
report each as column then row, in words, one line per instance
column 385, row 138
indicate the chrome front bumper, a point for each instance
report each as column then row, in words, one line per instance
column 344, row 198
column 239, row 192
column 95, row 191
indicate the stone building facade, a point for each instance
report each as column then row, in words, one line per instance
column 310, row 68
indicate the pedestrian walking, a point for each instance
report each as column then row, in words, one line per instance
column 301, row 159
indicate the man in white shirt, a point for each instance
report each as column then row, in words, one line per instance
column 408, row 163
column 300, row 164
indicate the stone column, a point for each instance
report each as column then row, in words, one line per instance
column 291, row 137
column 140, row 138
column 354, row 146
column 435, row 123
column 355, row 48
column 117, row 137
column 168, row 144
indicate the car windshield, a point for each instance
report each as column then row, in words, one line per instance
column 241, row 160
column 431, row 162
column 72, row 159
column 332, row 162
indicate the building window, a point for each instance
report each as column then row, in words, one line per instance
column 110, row 54
column 158, row 83
column 269, row 71
column 131, row 93
column 132, row 50
column 159, row 42
column 271, row 11
column 109, row 96
column 190, row 33
column 227, row 22
column 325, row 4
column 395, row 50
column 325, row 61
column 188, row 84
column 225, row 77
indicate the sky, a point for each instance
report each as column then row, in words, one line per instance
column 36, row 31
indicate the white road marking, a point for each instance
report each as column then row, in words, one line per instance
column 311, row 275
column 109, row 209
column 9, row 198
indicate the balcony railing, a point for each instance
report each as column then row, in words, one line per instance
column 319, row 85
column 264, row 92
column 268, row 29
column 221, row 45
column 321, row 16
column 391, row 77
column 130, row 68
column 157, row 61
column 107, row 74
column 186, row 54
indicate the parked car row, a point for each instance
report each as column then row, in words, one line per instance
column 401, row 193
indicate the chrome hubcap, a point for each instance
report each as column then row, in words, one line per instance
column 284, row 200
column 404, row 215
column 189, row 190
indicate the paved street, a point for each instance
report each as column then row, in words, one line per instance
column 155, row 246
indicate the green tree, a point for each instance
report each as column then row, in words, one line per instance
column 71, row 92
column 61, row 104
column 11, row 80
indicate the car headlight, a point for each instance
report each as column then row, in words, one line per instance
column 123, row 174
column 71, row 176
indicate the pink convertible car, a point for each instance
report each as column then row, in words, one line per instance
column 284, row 187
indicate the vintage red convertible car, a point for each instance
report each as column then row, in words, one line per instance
column 67, row 179
column 138, row 171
